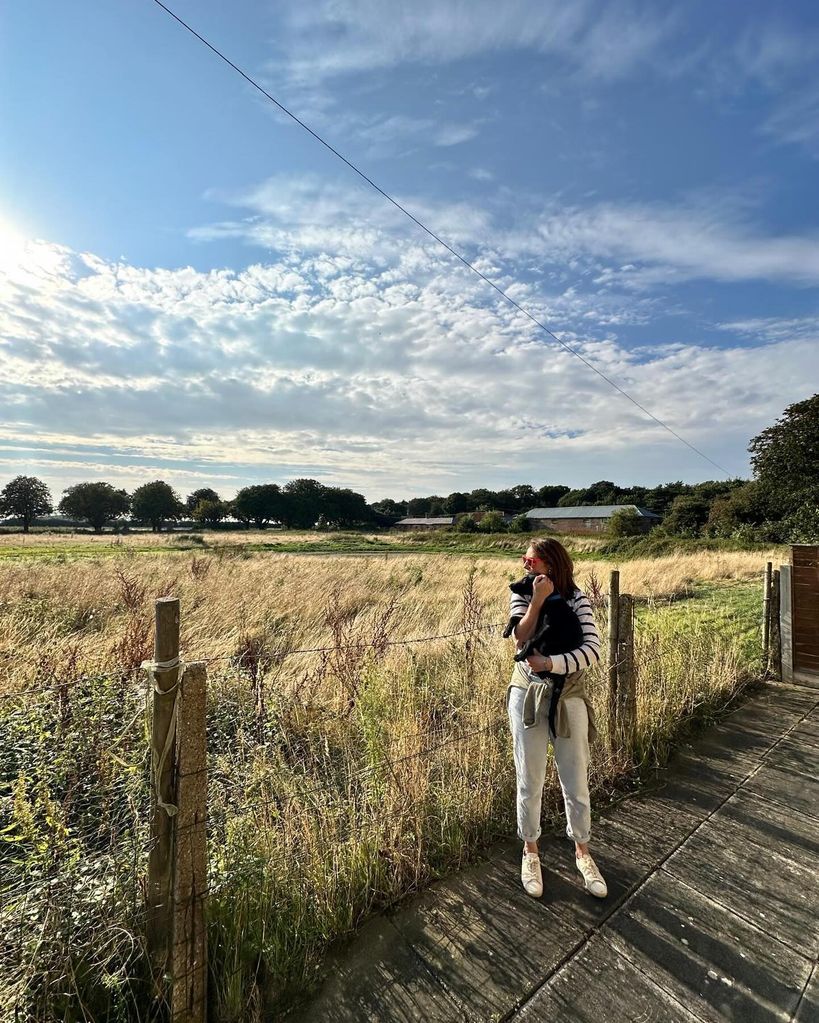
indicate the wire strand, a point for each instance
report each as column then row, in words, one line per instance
column 454, row 252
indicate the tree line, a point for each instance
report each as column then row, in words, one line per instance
column 300, row 504
column 780, row 503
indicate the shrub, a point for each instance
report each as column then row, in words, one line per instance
column 492, row 522
column 626, row 522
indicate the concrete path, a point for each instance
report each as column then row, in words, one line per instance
column 712, row 914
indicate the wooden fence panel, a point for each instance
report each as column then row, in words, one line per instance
column 805, row 610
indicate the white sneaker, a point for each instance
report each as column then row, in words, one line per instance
column 531, row 874
column 591, row 876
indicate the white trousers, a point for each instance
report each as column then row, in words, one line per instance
column 571, row 758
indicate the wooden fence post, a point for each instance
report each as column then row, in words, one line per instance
column 160, row 857
column 785, row 657
column 189, row 958
column 766, row 614
column 775, row 643
column 614, row 613
column 626, row 681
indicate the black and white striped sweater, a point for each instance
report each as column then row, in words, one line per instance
column 576, row 660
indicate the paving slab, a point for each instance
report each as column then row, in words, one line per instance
column 486, row 940
column 713, row 962
column 795, row 834
column 786, row 788
column 380, row 978
column 600, row 986
column 808, row 1011
column 796, row 756
column 755, row 882
column 641, row 829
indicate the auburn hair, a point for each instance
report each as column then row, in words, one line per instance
column 561, row 567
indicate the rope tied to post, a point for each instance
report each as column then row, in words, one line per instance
column 157, row 668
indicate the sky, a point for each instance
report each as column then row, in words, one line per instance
column 193, row 289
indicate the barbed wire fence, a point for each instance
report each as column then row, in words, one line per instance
column 127, row 858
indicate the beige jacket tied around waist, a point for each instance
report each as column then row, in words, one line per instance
column 538, row 695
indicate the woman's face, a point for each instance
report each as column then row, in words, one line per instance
column 533, row 564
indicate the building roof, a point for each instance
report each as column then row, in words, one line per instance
column 589, row 511
column 438, row 520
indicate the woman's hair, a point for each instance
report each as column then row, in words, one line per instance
column 561, row 568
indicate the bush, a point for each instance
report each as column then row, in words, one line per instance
column 492, row 522
column 519, row 524
column 466, row 525
column 626, row 522
column 803, row 525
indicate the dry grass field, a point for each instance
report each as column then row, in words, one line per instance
column 340, row 780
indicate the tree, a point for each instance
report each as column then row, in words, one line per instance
column 744, row 506
column 155, row 503
column 602, row 492
column 523, row 497
column 343, row 508
column 785, row 459
column 305, row 503
column 687, row 516
column 571, row 499
column 456, row 502
column 549, row 497
column 205, row 494
column 25, row 497
column 210, row 513
column 260, row 504
column 418, row 507
column 94, row 503
column 482, row 499
column 466, row 524
column 391, row 510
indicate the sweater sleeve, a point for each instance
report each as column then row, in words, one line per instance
column 587, row 654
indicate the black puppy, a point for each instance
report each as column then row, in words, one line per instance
column 558, row 631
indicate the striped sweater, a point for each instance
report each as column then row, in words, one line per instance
column 576, row 660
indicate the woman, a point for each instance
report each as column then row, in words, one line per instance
column 527, row 700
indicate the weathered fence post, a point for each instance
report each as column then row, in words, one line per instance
column 165, row 672
column 785, row 658
column 626, row 680
column 189, row 957
column 775, row 643
column 766, row 614
column 614, row 612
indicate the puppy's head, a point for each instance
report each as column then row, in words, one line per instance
column 524, row 587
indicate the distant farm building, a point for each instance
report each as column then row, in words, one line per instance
column 588, row 518
column 435, row 522
column 443, row 521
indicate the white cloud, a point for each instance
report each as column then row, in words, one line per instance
column 390, row 380
column 631, row 245
column 335, row 37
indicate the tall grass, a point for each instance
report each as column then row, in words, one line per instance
column 340, row 781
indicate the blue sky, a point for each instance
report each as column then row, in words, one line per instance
column 193, row 289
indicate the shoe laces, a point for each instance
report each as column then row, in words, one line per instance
column 531, row 862
column 589, row 868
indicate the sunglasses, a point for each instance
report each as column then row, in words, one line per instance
column 529, row 561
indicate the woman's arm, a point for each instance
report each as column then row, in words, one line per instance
column 589, row 652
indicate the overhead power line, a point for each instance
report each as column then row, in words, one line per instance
column 248, row 78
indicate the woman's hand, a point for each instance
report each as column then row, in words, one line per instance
column 542, row 588
column 538, row 663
